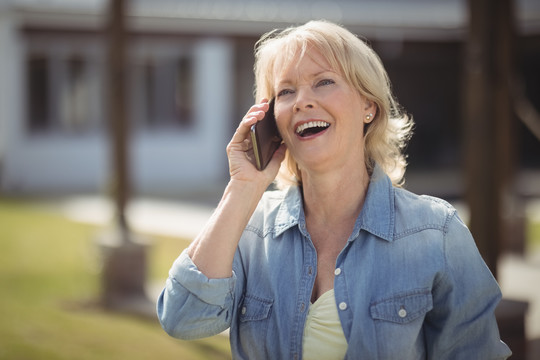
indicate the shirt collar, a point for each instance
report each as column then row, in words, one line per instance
column 290, row 210
column 377, row 215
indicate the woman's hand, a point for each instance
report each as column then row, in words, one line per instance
column 214, row 248
column 240, row 151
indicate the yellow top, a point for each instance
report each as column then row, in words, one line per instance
column 323, row 334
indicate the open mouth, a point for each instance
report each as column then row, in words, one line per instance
column 311, row 128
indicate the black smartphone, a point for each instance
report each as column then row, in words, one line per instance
column 265, row 138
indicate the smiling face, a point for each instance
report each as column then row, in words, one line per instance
column 319, row 114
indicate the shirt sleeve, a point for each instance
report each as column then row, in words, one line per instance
column 192, row 306
column 462, row 324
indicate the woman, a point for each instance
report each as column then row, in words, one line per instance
column 342, row 262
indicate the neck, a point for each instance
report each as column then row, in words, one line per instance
column 335, row 197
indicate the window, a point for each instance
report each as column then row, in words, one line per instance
column 60, row 91
column 74, row 95
column 66, row 94
column 184, row 91
column 38, row 93
column 63, row 85
column 168, row 89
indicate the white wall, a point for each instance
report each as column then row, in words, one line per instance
column 55, row 164
column 195, row 159
column 8, row 79
column 171, row 162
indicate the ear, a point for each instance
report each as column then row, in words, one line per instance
column 371, row 107
column 370, row 111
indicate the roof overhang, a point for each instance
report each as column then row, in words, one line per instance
column 377, row 20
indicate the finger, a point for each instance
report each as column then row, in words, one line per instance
column 246, row 145
column 255, row 113
column 262, row 106
column 242, row 131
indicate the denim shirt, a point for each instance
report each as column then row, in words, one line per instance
column 409, row 284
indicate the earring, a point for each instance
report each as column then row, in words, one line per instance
column 369, row 117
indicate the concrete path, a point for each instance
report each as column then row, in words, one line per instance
column 159, row 217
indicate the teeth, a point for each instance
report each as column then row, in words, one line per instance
column 311, row 124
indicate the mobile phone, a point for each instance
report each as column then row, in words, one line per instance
column 265, row 138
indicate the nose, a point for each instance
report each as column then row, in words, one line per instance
column 304, row 100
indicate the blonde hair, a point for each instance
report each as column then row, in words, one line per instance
column 386, row 135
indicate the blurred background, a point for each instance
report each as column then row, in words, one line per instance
column 455, row 66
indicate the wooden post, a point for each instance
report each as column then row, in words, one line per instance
column 124, row 253
column 116, row 53
column 488, row 126
column 489, row 147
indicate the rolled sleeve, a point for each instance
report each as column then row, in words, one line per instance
column 193, row 306
column 462, row 323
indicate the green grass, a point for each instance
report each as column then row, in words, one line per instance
column 533, row 236
column 49, row 274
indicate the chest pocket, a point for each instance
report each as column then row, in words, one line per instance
column 253, row 321
column 403, row 308
column 400, row 319
column 254, row 308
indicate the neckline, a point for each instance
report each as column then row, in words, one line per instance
column 323, row 297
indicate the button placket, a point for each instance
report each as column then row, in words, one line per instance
column 338, row 273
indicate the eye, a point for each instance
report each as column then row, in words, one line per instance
column 325, row 82
column 284, row 92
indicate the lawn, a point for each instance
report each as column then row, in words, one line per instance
column 49, row 281
column 533, row 236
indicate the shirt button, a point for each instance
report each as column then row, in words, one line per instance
column 244, row 310
column 337, row 271
column 302, row 307
column 402, row 312
column 342, row 305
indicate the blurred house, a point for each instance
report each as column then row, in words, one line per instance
column 190, row 82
